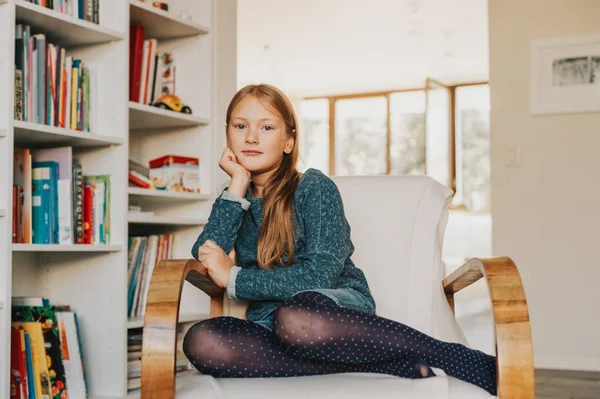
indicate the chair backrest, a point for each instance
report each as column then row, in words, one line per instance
column 397, row 227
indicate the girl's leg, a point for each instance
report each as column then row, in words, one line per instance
column 312, row 326
column 231, row 347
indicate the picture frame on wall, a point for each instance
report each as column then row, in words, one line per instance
column 565, row 75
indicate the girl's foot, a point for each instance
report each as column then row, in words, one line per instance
column 424, row 369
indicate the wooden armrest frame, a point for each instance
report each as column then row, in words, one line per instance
column 512, row 330
column 161, row 318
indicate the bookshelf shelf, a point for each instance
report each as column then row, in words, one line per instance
column 3, row 133
column 143, row 116
column 134, row 218
column 66, row 248
column 63, row 28
column 1, row 304
column 161, row 24
column 165, row 195
column 183, row 318
column 36, row 134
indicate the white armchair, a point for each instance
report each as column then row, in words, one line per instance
column 398, row 225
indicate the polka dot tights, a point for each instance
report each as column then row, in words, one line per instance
column 313, row 335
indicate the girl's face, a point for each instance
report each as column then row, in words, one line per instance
column 257, row 136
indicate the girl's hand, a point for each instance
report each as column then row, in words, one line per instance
column 232, row 167
column 216, row 262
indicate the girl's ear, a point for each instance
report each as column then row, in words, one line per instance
column 289, row 145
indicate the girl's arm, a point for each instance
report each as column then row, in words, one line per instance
column 327, row 249
column 228, row 210
column 224, row 221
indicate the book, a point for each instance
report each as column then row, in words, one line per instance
column 41, row 203
column 40, row 376
column 50, row 196
column 22, row 176
column 51, row 86
column 41, row 322
column 100, row 190
column 71, row 354
column 63, row 157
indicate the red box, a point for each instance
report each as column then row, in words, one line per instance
column 175, row 173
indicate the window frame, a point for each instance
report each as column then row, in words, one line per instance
column 452, row 159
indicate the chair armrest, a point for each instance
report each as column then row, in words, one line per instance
column 514, row 350
column 161, row 318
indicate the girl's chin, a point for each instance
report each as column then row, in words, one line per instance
column 257, row 167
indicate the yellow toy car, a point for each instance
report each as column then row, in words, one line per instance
column 172, row 102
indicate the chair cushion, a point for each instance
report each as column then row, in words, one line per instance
column 193, row 385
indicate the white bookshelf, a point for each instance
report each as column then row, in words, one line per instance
column 66, row 248
column 162, row 195
column 64, row 28
column 147, row 117
column 135, row 218
column 92, row 279
column 35, row 134
column 161, row 24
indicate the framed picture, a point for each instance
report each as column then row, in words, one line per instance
column 565, row 75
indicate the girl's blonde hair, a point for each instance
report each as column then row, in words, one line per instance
column 276, row 238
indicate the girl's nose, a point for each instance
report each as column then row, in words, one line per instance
column 252, row 136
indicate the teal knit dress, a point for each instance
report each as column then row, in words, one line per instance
column 323, row 250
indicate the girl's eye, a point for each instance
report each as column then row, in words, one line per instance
column 239, row 126
column 268, row 127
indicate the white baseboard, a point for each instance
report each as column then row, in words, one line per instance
column 560, row 362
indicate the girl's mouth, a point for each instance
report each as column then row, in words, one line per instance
column 251, row 153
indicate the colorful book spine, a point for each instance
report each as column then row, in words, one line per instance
column 41, row 202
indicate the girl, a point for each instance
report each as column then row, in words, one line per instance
column 279, row 239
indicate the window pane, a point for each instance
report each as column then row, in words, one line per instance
column 360, row 136
column 407, row 148
column 473, row 147
column 314, row 135
column 438, row 130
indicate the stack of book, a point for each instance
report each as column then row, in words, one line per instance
column 134, row 357
column 144, row 254
column 139, row 175
column 150, row 75
column 46, row 352
column 51, row 87
column 54, row 203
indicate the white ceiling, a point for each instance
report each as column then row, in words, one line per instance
column 314, row 47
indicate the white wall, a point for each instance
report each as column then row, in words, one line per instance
column 547, row 211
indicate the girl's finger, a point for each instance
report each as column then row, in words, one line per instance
column 211, row 244
column 205, row 251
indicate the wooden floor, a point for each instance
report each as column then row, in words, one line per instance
column 564, row 384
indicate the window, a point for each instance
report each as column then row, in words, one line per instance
column 472, row 120
column 360, row 136
column 444, row 133
column 407, row 124
column 314, row 136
